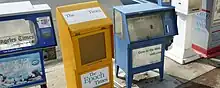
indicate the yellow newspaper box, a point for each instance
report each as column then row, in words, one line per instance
column 86, row 44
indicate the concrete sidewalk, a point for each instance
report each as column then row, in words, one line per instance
column 192, row 75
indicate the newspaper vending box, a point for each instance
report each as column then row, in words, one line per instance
column 86, row 44
column 25, row 30
column 141, row 34
column 206, row 40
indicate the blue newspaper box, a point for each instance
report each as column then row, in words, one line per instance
column 141, row 33
column 26, row 29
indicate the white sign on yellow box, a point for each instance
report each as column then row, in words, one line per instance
column 95, row 78
column 84, row 15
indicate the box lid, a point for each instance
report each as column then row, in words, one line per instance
column 135, row 8
column 84, row 17
column 23, row 7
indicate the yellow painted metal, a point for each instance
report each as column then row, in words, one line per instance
column 70, row 35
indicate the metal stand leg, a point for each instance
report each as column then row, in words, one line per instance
column 117, row 70
column 161, row 70
column 43, row 86
column 129, row 79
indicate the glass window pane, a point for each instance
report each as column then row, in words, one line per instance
column 92, row 48
column 118, row 24
column 17, row 34
column 145, row 27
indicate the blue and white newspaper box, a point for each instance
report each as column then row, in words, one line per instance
column 25, row 30
column 141, row 33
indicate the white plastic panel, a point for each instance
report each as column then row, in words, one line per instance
column 200, row 30
column 145, row 27
column 118, row 24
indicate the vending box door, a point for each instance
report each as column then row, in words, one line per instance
column 17, row 34
column 25, row 32
column 142, row 28
column 92, row 49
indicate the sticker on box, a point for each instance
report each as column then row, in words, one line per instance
column 44, row 22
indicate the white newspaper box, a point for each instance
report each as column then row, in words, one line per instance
column 181, row 48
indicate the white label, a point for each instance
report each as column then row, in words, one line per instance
column 146, row 55
column 84, row 15
column 95, row 78
column 44, row 22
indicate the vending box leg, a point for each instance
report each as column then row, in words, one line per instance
column 161, row 71
column 43, row 86
column 117, row 70
column 129, row 79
